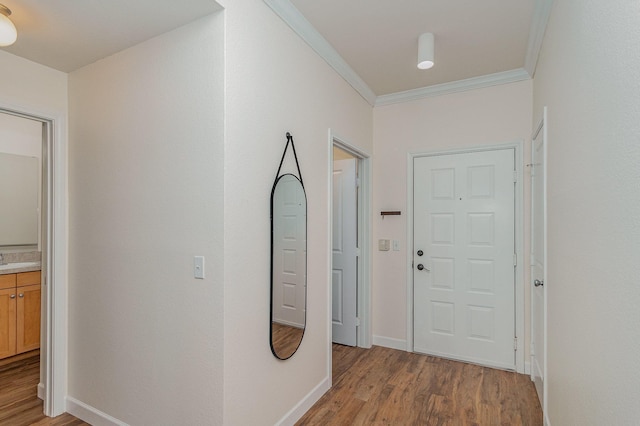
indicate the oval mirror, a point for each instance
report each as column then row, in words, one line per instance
column 288, row 265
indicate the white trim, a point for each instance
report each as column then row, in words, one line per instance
column 409, row 239
column 541, row 13
column 90, row 414
column 41, row 391
column 54, row 321
column 389, row 342
column 519, row 240
column 305, row 404
column 473, row 83
column 527, row 368
column 364, row 337
column 329, row 283
column 299, row 24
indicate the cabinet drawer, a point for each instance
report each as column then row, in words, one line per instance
column 8, row 281
column 28, row 278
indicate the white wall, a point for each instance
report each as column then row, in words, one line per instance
column 146, row 182
column 275, row 83
column 29, row 87
column 486, row 116
column 20, row 136
column 588, row 77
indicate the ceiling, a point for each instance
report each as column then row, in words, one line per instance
column 69, row 34
column 374, row 43
column 379, row 38
column 371, row 43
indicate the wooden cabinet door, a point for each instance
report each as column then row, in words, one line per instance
column 28, row 318
column 7, row 322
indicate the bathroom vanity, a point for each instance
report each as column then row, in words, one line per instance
column 19, row 311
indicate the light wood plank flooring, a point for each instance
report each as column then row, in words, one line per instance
column 19, row 403
column 382, row 386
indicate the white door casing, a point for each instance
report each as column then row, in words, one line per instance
column 344, row 253
column 539, row 260
column 289, row 253
column 464, row 223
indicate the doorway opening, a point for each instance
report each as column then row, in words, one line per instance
column 359, row 228
column 50, row 245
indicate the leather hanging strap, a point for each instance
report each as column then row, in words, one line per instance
column 295, row 156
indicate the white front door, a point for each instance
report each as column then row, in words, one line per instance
column 538, row 259
column 464, row 256
column 345, row 241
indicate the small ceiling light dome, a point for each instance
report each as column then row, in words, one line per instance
column 8, row 33
column 425, row 51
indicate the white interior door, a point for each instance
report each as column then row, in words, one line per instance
column 289, row 253
column 345, row 262
column 538, row 260
column 464, row 256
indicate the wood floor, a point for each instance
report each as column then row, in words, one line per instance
column 19, row 403
column 382, row 386
column 285, row 339
column 378, row 386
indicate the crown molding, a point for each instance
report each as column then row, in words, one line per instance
column 301, row 26
column 454, row 87
column 541, row 13
column 292, row 17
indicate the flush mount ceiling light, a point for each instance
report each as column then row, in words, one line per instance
column 8, row 33
column 425, row 51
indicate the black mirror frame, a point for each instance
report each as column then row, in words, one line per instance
column 273, row 189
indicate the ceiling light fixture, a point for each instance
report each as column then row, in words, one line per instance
column 8, row 33
column 425, row 51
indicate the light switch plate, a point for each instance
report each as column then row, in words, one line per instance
column 383, row 245
column 198, row 267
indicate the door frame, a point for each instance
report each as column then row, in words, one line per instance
column 364, row 336
column 53, row 354
column 518, row 147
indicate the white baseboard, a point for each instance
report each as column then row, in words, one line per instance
column 527, row 368
column 546, row 419
column 91, row 415
column 305, row 404
column 389, row 342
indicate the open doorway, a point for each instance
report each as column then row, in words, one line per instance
column 350, row 241
column 38, row 259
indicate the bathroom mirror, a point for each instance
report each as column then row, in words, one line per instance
column 18, row 200
column 288, row 261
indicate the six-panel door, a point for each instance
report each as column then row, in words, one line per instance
column 464, row 225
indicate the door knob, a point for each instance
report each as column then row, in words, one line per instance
column 421, row 267
column 21, row 295
column 13, row 296
column 538, row 283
